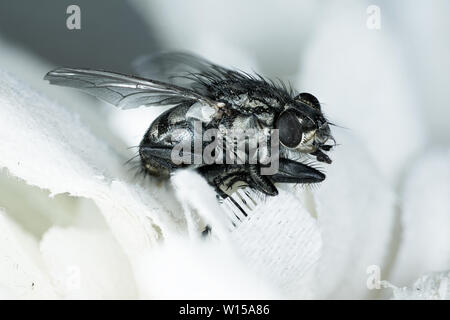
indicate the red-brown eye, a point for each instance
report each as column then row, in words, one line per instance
column 290, row 129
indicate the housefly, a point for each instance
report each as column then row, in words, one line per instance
column 205, row 96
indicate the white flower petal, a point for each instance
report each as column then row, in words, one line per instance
column 356, row 213
column 431, row 286
column 87, row 264
column 280, row 243
column 22, row 271
column 183, row 269
column 425, row 220
column 47, row 146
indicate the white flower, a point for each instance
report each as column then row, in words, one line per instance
column 74, row 223
column 150, row 246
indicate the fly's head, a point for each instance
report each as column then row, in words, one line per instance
column 303, row 128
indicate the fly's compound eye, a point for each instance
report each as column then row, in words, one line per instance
column 308, row 99
column 290, row 129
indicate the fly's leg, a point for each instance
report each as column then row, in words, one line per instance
column 236, row 178
column 157, row 160
column 260, row 182
column 222, row 177
column 290, row 171
column 320, row 156
column 217, row 176
column 206, row 232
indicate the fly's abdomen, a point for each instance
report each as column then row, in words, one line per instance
column 168, row 130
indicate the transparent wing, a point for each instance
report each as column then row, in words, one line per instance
column 177, row 68
column 122, row 90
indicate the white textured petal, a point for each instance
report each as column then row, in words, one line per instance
column 87, row 264
column 183, row 269
column 425, row 220
column 431, row 286
column 212, row 267
column 356, row 211
column 31, row 207
column 280, row 242
column 199, row 200
column 32, row 68
column 22, row 271
column 49, row 147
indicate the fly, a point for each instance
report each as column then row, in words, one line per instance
column 205, row 96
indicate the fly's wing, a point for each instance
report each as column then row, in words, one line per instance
column 198, row 74
column 178, row 68
column 124, row 91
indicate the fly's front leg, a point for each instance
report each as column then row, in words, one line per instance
column 223, row 177
column 260, row 182
column 320, row 156
column 295, row 172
